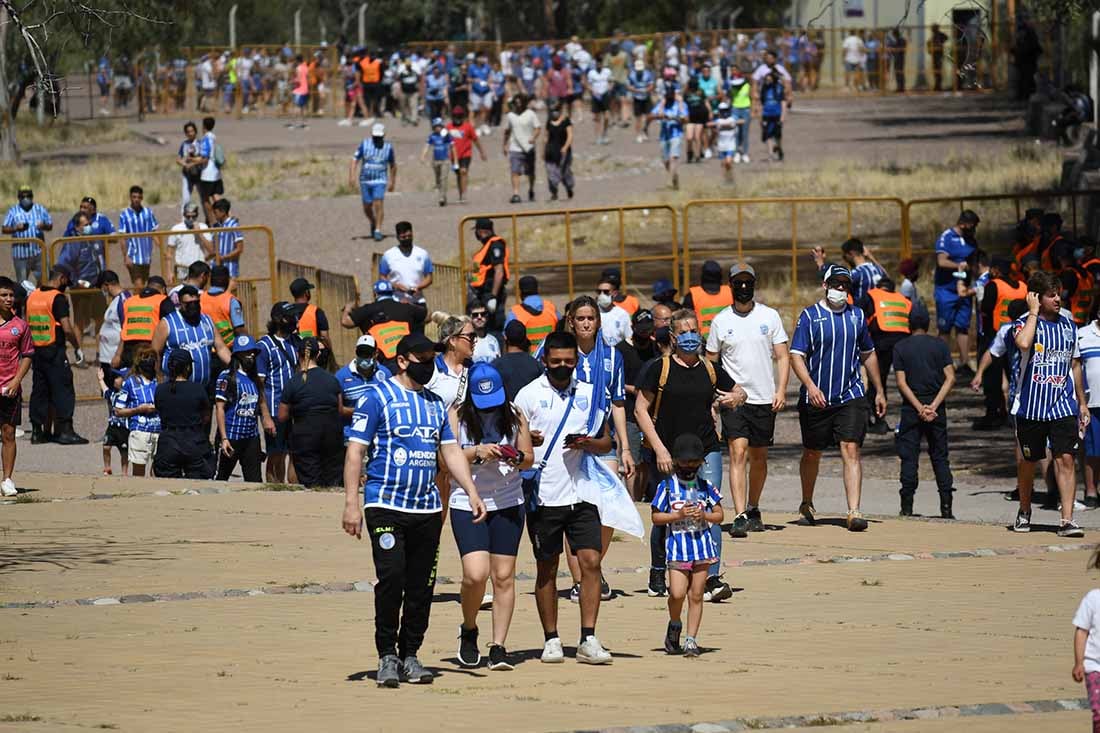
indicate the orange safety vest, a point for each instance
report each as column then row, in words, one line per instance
column 629, row 304
column 218, row 308
column 1045, row 262
column 387, row 335
column 1026, row 251
column 481, row 277
column 890, row 311
column 307, row 323
column 537, row 325
column 707, row 306
column 140, row 317
column 1081, row 302
column 372, row 70
column 40, row 317
column 1006, row 293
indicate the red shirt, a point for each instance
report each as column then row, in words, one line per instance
column 15, row 343
column 463, row 136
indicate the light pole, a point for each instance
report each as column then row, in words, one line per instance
column 298, row 29
column 363, row 25
column 233, row 27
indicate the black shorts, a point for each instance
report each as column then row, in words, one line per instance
column 642, row 107
column 116, row 436
column 771, row 127
column 464, row 163
column 1033, row 435
column 825, row 428
column 498, row 534
column 697, row 115
column 11, row 409
column 211, row 188
column 278, row 443
column 579, row 523
column 755, row 422
column 599, row 104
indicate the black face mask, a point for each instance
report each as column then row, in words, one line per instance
column 247, row 361
column 148, row 367
column 684, row 473
column 743, row 291
column 377, row 141
column 191, row 311
column 561, row 373
column 662, row 335
column 405, row 244
column 420, row 372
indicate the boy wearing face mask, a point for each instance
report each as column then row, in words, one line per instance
column 355, row 376
column 27, row 220
column 688, row 507
column 614, row 321
column 135, row 403
column 830, row 342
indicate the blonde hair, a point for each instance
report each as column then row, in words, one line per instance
column 451, row 327
column 684, row 314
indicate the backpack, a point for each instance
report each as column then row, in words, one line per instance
column 666, row 366
column 219, row 155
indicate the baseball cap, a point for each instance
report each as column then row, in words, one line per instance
column 179, row 357
column 642, row 321
column 437, row 122
column 366, row 341
column 515, row 334
column 711, row 270
column 723, row 106
column 300, row 286
column 688, row 447
column 833, row 271
column 486, row 386
column 244, row 343
column 741, row 268
column 383, row 287
column 639, row 65
column 378, row 130
column 416, row 343
column 663, row 287
column 484, row 223
column 281, row 308
column 458, row 111
column 26, row 189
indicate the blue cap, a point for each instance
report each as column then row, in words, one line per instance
column 663, row 287
column 244, row 343
column 383, row 287
column 835, row 271
column 486, row 386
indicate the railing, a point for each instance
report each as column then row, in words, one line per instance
column 333, row 291
column 9, row 242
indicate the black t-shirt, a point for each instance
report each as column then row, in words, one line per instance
column 365, row 316
column 556, row 136
column 517, row 370
column 184, row 407
column 632, row 371
column 922, row 358
column 319, row 394
column 686, row 401
column 322, row 319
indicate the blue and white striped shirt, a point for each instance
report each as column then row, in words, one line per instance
column 275, row 364
column 197, row 340
column 687, row 540
column 355, row 387
column 1044, row 384
column 1088, row 343
column 242, row 409
column 404, row 429
column 865, row 277
column 138, row 249
column 35, row 216
column 375, row 162
column 831, row 343
column 227, row 242
column 137, row 390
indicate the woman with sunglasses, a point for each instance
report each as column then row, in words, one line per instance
column 496, row 440
column 488, row 346
column 456, row 338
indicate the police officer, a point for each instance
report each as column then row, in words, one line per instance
column 223, row 308
column 386, row 319
column 490, row 276
column 48, row 315
column 312, row 321
column 140, row 316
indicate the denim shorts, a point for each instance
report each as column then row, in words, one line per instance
column 372, row 191
column 671, row 148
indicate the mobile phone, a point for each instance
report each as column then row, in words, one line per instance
column 574, row 438
column 508, row 452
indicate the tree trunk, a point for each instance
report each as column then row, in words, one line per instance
column 549, row 19
column 9, row 151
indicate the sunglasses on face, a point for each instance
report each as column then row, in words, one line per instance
column 479, row 314
column 468, row 336
column 603, row 291
column 839, row 284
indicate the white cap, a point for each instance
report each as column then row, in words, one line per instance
column 365, row 340
column 378, row 130
column 639, row 65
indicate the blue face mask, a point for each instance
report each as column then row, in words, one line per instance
column 689, row 342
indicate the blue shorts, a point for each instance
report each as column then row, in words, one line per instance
column 671, row 148
column 277, row 444
column 372, row 191
column 499, row 534
column 301, row 99
column 952, row 312
column 1092, row 434
column 725, row 154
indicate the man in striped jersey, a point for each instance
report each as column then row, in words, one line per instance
column 27, row 220
column 189, row 329
column 830, row 340
column 377, row 174
column 409, row 432
column 275, row 365
column 137, row 252
column 1050, row 406
column 230, row 245
column 865, row 271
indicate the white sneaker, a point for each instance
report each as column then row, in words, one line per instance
column 707, row 154
column 737, row 157
column 745, row 158
column 638, row 139
column 7, row 487
column 364, row 123
column 486, row 601
column 20, row 432
column 344, row 123
column 552, row 653
column 591, row 651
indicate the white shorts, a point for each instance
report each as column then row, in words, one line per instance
column 671, row 148
column 481, row 101
column 142, row 447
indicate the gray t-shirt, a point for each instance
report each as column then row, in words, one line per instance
column 522, row 128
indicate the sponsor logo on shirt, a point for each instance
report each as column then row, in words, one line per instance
column 400, row 457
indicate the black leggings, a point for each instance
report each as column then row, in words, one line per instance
column 317, row 449
column 247, row 452
column 183, row 454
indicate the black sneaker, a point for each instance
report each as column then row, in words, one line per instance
column 906, row 506
column 988, row 422
column 1070, row 528
column 716, row 590
column 756, row 522
column 964, row 373
column 530, row 194
column 605, row 589
column 658, row 588
column 1091, row 502
column 1022, row 523
column 672, row 637
column 498, row 658
column 740, row 527
column 575, row 593
column 514, row 200
column 878, row 427
column 468, row 653
column 1013, row 495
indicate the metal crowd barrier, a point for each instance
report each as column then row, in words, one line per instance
column 333, row 291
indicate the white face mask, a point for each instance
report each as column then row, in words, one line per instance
column 836, row 297
column 603, row 300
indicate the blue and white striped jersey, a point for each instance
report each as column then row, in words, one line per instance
column 198, row 340
column 1044, row 384
column 831, row 342
column 404, row 430
column 138, row 249
column 1088, row 344
column 242, row 409
column 275, row 364
column 374, row 162
column 227, row 242
column 354, row 386
column 687, row 540
column 137, row 390
column 35, row 216
column 865, row 277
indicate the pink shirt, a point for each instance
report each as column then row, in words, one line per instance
column 15, row 343
column 302, row 76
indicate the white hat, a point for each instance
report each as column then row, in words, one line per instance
column 639, row 65
column 378, row 130
column 365, row 340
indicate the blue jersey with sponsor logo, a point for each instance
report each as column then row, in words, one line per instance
column 354, row 387
column 137, row 391
column 831, row 342
column 404, row 430
column 242, row 408
column 1044, row 382
column 957, row 250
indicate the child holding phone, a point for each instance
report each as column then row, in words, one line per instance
column 688, row 505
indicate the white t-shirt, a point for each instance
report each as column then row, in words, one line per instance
column 615, row 326
column 486, row 348
column 407, row 271
column 599, row 81
column 449, row 386
column 211, row 172
column 1088, row 618
column 745, row 343
column 206, row 75
column 186, row 244
column 522, row 128
column 762, row 70
column 727, row 134
column 499, row 485
column 854, row 50
column 110, row 333
column 997, row 348
column 1088, row 343
column 544, row 407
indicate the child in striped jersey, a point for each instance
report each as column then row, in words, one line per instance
column 688, row 506
column 117, row 433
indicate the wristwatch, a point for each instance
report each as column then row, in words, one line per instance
column 478, row 460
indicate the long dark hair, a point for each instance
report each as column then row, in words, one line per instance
column 178, row 368
column 507, row 422
column 235, row 364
